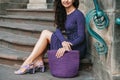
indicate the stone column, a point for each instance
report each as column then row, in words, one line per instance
column 37, row 4
column 106, row 67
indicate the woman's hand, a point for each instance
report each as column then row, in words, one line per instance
column 60, row 52
column 66, row 45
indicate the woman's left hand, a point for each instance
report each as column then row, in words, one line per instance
column 60, row 52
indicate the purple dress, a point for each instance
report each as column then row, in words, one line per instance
column 75, row 33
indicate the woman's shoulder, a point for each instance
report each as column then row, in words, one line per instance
column 79, row 13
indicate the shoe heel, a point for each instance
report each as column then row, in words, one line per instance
column 42, row 69
column 32, row 71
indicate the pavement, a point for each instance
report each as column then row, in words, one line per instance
column 7, row 73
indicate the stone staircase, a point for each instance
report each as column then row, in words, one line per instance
column 20, row 30
column 17, row 4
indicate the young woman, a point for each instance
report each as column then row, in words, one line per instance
column 69, row 20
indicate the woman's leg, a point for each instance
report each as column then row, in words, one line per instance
column 40, row 46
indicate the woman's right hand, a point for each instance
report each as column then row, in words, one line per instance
column 60, row 52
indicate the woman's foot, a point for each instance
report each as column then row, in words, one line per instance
column 39, row 66
column 25, row 69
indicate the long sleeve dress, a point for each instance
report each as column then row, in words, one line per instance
column 74, row 32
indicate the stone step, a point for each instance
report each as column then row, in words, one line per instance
column 16, row 58
column 19, row 1
column 11, row 54
column 15, row 55
column 32, row 12
column 44, row 21
column 18, row 42
column 32, row 30
column 7, row 73
column 12, row 5
column 50, row 4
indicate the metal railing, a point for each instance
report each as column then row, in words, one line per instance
column 101, row 21
column 117, row 21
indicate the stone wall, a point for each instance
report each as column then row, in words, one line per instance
column 105, row 67
column 3, row 6
column 7, row 4
column 116, row 45
column 40, row 4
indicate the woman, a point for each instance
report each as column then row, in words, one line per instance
column 69, row 20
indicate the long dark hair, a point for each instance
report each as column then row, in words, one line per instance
column 60, row 13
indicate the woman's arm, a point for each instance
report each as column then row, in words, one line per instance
column 80, row 30
column 59, row 35
column 64, row 43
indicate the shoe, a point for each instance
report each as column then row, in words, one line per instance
column 27, row 68
column 40, row 67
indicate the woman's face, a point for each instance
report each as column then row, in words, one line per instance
column 67, row 3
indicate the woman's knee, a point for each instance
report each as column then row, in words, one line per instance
column 46, row 33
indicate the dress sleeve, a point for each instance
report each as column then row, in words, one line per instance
column 59, row 35
column 80, row 30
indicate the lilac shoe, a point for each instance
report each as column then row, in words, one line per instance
column 40, row 67
column 27, row 68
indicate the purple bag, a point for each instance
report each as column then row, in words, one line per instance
column 66, row 66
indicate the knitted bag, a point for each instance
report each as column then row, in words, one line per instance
column 65, row 67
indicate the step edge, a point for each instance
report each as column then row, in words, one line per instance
column 13, row 56
column 27, row 18
column 31, row 10
column 33, row 29
column 14, row 41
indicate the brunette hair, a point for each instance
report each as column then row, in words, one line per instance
column 60, row 13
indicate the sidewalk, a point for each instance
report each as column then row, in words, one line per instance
column 7, row 73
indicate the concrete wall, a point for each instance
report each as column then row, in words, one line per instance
column 105, row 67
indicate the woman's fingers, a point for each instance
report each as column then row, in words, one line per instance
column 67, row 45
column 60, row 52
column 70, row 43
column 67, row 48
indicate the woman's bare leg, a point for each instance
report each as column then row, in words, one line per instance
column 40, row 46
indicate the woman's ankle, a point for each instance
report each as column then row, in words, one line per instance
column 38, row 63
column 27, row 63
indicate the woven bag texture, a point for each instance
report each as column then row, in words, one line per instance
column 66, row 66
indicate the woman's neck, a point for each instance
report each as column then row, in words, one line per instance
column 69, row 10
